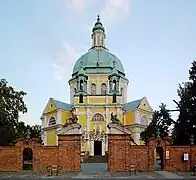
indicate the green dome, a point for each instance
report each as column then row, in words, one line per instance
column 98, row 61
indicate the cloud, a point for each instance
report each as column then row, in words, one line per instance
column 64, row 61
column 115, row 11
column 76, row 6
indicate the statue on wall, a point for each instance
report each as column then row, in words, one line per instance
column 71, row 120
column 115, row 119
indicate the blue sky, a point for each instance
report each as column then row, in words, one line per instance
column 41, row 39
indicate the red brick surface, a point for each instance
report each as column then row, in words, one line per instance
column 121, row 154
column 67, row 155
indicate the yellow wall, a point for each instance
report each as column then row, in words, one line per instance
column 51, row 137
column 65, row 115
column 129, row 117
column 94, row 100
column 82, row 119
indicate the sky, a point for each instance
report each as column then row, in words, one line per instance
column 40, row 40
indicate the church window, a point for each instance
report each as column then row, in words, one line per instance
column 97, row 117
column 93, row 89
column 103, row 89
column 52, row 121
column 144, row 120
column 114, row 98
column 81, row 98
column 114, row 85
column 81, row 85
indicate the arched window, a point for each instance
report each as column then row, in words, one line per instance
column 97, row 117
column 144, row 120
column 52, row 121
column 81, row 85
column 103, row 89
column 93, row 89
column 122, row 94
column 114, row 85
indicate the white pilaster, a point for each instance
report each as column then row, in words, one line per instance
column 57, row 142
column 91, row 148
column 77, row 111
column 103, row 148
column 107, row 117
column 45, row 121
column 118, row 112
column 88, row 146
column 107, row 99
column 45, row 138
column 98, row 86
column 71, row 95
column 88, row 113
column 58, row 117
column 137, row 117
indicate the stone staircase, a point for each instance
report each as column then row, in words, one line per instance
column 96, row 159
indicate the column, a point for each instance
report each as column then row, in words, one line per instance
column 91, row 148
column 103, row 148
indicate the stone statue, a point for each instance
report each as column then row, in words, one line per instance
column 115, row 119
column 71, row 120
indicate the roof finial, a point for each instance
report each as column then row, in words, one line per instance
column 98, row 17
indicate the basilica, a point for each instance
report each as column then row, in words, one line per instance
column 98, row 90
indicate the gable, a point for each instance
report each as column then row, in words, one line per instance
column 50, row 106
column 53, row 105
column 132, row 105
column 144, row 105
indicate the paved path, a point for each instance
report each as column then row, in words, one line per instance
column 94, row 167
column 169, row 175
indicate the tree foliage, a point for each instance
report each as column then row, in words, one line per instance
column 11, row 104
column 186, row 123
column 161, row 120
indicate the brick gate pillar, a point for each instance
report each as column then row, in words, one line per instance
column 69, row 148
column 118, row 148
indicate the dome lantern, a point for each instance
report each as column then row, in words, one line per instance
column 98, row 35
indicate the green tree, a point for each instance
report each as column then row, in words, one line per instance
column 186, row 123
column 11, row 104
column 35, row 131
column 159, row 125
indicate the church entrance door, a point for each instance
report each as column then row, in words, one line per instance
column 97, row 147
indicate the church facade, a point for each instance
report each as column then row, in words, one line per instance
column 98, row 89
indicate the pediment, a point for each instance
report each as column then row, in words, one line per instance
column 117, row 129
column 70, row 129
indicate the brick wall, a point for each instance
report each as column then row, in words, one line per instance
column 121, row 154
column 67, row 154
